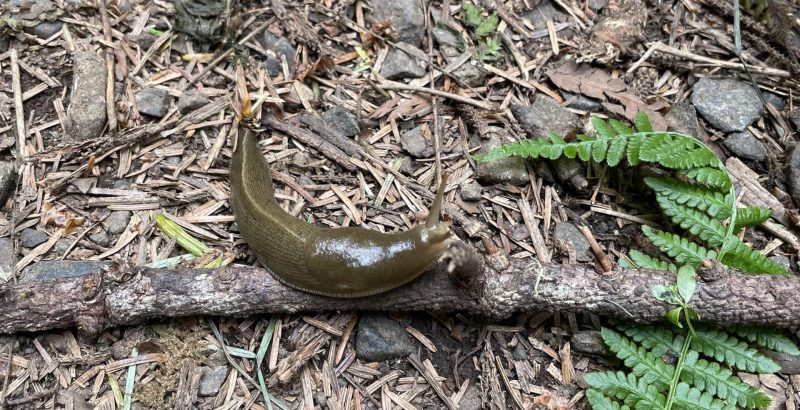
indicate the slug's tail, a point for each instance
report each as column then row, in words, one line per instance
column 436, row 207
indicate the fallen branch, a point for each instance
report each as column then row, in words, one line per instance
column 124, row 296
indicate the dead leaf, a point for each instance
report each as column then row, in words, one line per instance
column 612, row 92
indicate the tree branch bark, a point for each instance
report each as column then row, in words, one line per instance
column 129, row 295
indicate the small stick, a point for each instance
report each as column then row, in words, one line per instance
column 19, row 112
column 111, row 112
column 656, row 46
column 455, row 97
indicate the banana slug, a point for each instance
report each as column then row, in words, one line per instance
column 339, row 262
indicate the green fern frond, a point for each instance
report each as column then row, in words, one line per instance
column 751, row 216
column 715, row 204
column 620, row 127
column 676, row 151
column 684, row 251
column 645, row 261
column 710, row 377
column 658, row 339
column 770, row 338
column 742, row 257
column 632, row 391
column 689, row 398
column 634, row 147
column 732, row 351
column 643, row 364
column 616, row 151
column 713, row 177
column 642, row 122
column 599, row 401
column 694, row 221
column 691, row 158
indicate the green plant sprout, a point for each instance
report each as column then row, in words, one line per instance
column 487, row 49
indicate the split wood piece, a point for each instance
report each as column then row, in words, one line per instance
column 319, row 126
column 327, row 148
column 125, row 296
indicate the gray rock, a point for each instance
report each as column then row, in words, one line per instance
column 212, row 380
column 380, row 338
column 6, row 258
column 342, row 120
column 121, row 183
column 47, row 29
column 100, row 237
column 86, row 113
column 512, row 170
column 52, row 270
column 277, row 47
column 776, row 100
column 793, row 173
column 471, row 191
column 153, row 101
column 567, row 232
column 682, row 118
column 471, row 399
column 794, row 117
column 783, row 261
column 789, row 364
column 6, row 180
column 589, row 342
column 117, row 221
column 583, row 103
column 191, row 100
column 745, row 146
column 597, row 5
column 729, row 105
column 415, row 143
column 470, row 75
column 519, row 352
column 31, row 238
column 406, row 17
column 61, row 246
column 543, row 116
column 31, row 9
column 445, row 37
column 404, row 63
column 546, row 10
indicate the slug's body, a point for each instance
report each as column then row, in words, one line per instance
column 341, row 262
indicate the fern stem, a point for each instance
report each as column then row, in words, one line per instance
column 673, row 386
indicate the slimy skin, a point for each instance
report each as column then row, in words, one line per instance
column 340, row 262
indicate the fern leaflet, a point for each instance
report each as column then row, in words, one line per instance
column 681, row 249
column 645, row 261
column 710, row 176
column 751, row 216
column 657, row 339
column 770, row 338
column 643, row 364
column 710, row 377
column 689, row 398
column 732, row 351
column 632, row 391
column 599, row 401
column 744, row 258
column 714, row 203
column 694, row 221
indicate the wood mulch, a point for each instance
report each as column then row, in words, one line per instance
column 178, row 165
